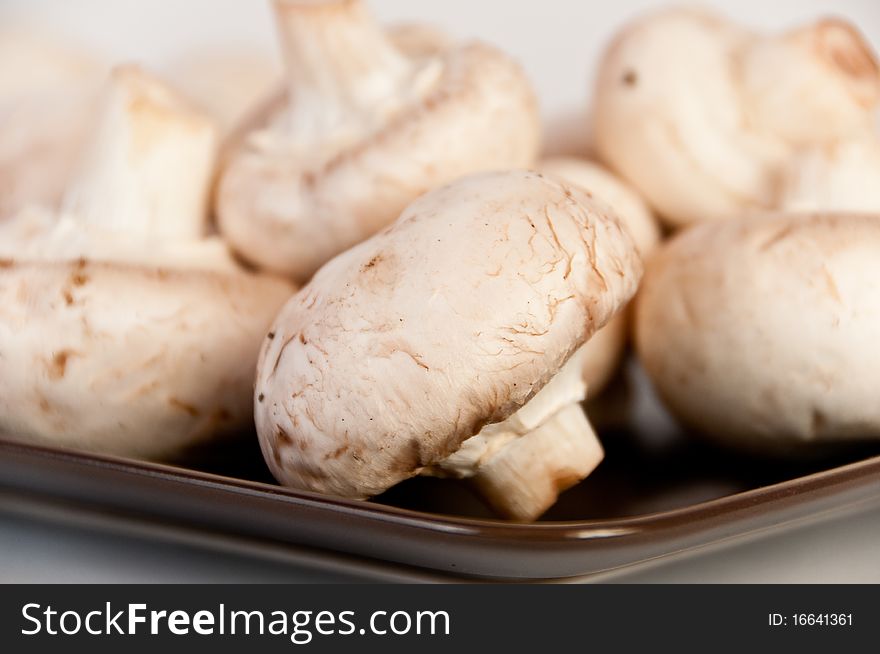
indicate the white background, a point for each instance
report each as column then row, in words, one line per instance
column 558, row 41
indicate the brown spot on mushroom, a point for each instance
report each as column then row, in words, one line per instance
column 261, row 397
column 417, row 359
column 565, row 480
column 338, row 452
column 270, row 335
column 184, row 406
column 833, row 291
column 630, row 78
column 58, row 364
column 776, row 237
column 280, row 354
column 6, row 263
column 45, row 407
column 78, row 279
column 372, row 262
column 68, row 297
column 281, row 436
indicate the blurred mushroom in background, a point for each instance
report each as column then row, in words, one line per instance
column 125, row 328
column 705, row 117
column 363, row 129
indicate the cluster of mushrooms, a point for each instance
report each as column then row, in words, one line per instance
column 365, row 253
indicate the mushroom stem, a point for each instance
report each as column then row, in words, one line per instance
column 527, row 475
column 148, row 168
column 341, row 68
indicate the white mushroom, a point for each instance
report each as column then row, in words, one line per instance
column 703, row 116
column 124, row 329
column 762, row 331
column 444, row 345
column 602, row 354
column 47, row 91
column 363, row 130
column 842, row 177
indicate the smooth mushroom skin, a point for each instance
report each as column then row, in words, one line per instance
column 761, row 331
column 364, row 129
column 124, row 328
column 47, row 91
column 445, row 323
column 602, row 354
column 843, row 177
column 703, row 116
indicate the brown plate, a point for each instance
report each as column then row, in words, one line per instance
column 657, row 493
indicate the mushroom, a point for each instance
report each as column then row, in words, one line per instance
column 844, row 177
column 760, row 331
column 603, row 352
column 447, row 344
column 47, row 91
column 703, row 117
column 364, row 129
column 124, row 328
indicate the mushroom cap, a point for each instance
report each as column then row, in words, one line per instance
column 601, row 355
column 124, row 329
column 701, row 115
column 607, row 187
column 761, row 331
column 128, row 360
column 291, row 215
column 450, row 319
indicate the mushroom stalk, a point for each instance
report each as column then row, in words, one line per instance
column 521, row 465
column 341, row 68
column 524, row 479
column 147, row 170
